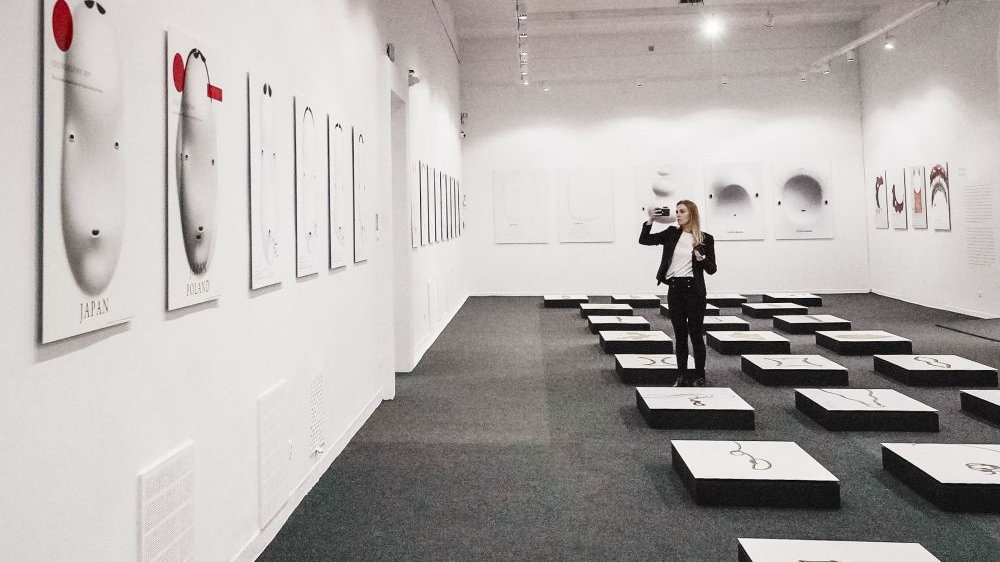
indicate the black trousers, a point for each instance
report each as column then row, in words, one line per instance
column 687, row 314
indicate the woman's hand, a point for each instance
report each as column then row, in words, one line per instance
column 698, row 255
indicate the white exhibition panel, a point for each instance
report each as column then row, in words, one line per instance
column 735, row 200
column 666, row 398
column 811, row 318
column 803, row 205
column 863, row 399
column 311, row 171
column 896, row 193
column 655, row 362
column 783, row 550
column 935, row 363
column 791, row 296
column 862, row 336
column 586, row 205
column 793, row 362
column 644, row 335
column 605, row 307
column 363, row 231
column 521, row 211
column 775, row 306
column 952, row 463
column 341, row 180
column 267, row 244
column 573, row 298
column 751, row 460
column 751, row 335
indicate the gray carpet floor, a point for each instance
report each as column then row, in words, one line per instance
column 986, row 329
column 515, row 440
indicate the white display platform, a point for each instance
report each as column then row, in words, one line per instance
column 754, row 473
column 781, row 550
column 602, row 309
column 637, row 301
column 935, row 370
column 865, row 409
column 648, row 368
column 863, row 342
column 710, row 310
column 635, row 341
column 810, row 323
column 564, row 301
column 752, row 341
column 694, row 408
column 726, row 324
column 771, row 309
column 955, row 477
column 794, row 370
column 982, row 403
column 725, row 300
column 609, row 323
column 805, row 299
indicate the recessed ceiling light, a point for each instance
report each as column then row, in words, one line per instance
column 852, row 56
column 713, row 27
column 890, row 42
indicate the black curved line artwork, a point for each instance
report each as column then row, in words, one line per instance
column 991, row 469
column 932, row 362
column 879, row 183
column 897, row 205
column 695, row 399
column 755, row 462
column 791, row 362
column 668, row 361
column 939, row 185
column 871, row 393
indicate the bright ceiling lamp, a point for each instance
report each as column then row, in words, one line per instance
column 890, row 42
column 713, row 27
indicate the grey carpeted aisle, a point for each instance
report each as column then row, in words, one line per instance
column 514, row 440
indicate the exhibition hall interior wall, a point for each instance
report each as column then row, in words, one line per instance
column 86, row 415
column 935, row 99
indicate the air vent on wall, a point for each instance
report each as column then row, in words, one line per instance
column 317, row 415
column 166, row 509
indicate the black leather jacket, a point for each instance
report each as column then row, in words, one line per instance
column 668, row 239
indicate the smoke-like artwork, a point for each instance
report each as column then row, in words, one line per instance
column 896, row 193
column 311, row 171
column 265, row 230
column 661, row 187
column 803, row 206
column 85, row 219
column 940, row 197
column 340, row 173
column 362, row 226
column 734, row 210
column 520, row 206
column 586, row 198
column 193, row 102
column 879, row 201
column 916, row 187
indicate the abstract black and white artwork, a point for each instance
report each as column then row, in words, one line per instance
column 782, row 550
column 311, row 169
column 586, row 205
column 803, row 202
column 879, row 200
column 663, row 185
column 935, row 370
column 940, row 197
column 521, row 213
column 916, row 189
column 735, row 201
column 341, row 179
column 954, row 476
column 896, row 192
column 424, row 178
column 267, row 245
column 362, row 204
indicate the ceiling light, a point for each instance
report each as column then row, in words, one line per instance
column 725, row 79
column 890, row 42
column 803, row 77
column 852, row 55
column 825, row 68
column 522, row 35
column 638, row 83
column 545, row 86
column 713, row 27
column 769, row 20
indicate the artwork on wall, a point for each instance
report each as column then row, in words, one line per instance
column 340, row 177
column 361, row 203
column 445, row 216
column 586, row 205
column 85, row 218
column 896, row 193
column 193, row 104
column 311, row 168
column 734, row 208
column 422, row 193
column 413, row 188
column 435, row 235
column 879, row 201
column 521, row 212
column 940, row 197
column 803, row 202
column 440, row 207
column 916, row 188
column 663, row 185
column 266, row 246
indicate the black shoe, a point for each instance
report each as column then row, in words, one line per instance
column 681, row 380
column 700, row 381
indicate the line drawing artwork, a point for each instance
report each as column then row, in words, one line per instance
column 940, row 204
column 932, row 362
column 864, row 336
column 666, row 361
column 695, row 399
column 637, row 336
column 791, row 361
column 988, row 468
column 755, row 462
column 745, row 336
column 875, row 403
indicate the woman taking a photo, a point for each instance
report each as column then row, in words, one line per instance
column 688, row 253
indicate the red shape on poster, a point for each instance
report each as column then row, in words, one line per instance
column 215, row 92
column 178, row 72
column 62, row 25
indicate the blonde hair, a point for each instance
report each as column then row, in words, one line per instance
column 694, row 221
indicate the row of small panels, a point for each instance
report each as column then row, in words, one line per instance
column 722, row 300
column 783, row 550
column 953, row 476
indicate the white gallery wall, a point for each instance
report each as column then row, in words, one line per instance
column 934, row 99
column 595, row 119
column 83, row 417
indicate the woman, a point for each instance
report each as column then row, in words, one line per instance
column 688, row 253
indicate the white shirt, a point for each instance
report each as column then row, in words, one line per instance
column 680, row 264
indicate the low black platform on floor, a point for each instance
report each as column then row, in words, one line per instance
column 935, row 370
column 611, row 323
column 867, row 342
column 865, row 409
column 693, row 408
column 754, row 473
column 804, row 299
column 637, row 301
column 726, row 324
column 725, row 300
column 599, row 309
column 742, row 342
column 565, row 301
column 982, row 403
column 710, row 310
column 781, row 550
column 635, row 341
column 955, row 477
column 771, row 309
column 794, row 370
column 648, row 368
column 810, row 323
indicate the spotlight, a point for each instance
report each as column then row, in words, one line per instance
column 825, row 68
column 639, row 83
column 545, row 86
column 713, row 27
column 890, row 42
column 803, row 77
column 769, row 20
column 522, row 35
column 725, row 80
column 852, row 56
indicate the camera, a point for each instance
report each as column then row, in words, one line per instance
column 662, row 211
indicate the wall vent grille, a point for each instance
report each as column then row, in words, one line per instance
column 166, row 508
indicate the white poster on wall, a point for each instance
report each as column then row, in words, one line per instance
column 916, row 189
column 586, row 205
column 339, row 199
column 266, row 240
column 311, row 170
column 424, row 207
column 879, row 201
column 802, row 201
column 663, row 185
column 940, row 198
column 896, row 193
column 193, row 105
column 362, row 227
column 735, row 201
column 413, row 188
column 86, row 222
column 521, row 209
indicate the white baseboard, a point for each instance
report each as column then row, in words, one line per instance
column 967, row 312
column 663, row 289
column 428, row 340
column 263, row 537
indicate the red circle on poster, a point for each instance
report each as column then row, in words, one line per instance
column 62, row 25
column 178, row 72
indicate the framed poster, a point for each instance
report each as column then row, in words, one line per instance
column 802, row 201
column 311, row 172
column 341, row 176
column 916, row 188
column 362, row 227
column 521, row 212
column 586, row 205
column 735, row 203
column 896, row 192
column 413, row 188
column 266, row 245
column 940, row 198
column 879, row 201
